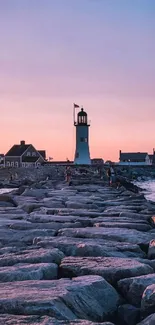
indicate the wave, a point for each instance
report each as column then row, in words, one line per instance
column 148, row 188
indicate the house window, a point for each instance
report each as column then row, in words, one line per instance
column 77, row 155
column 34, row 154
column 83, row 139
column 23, row 164
column 8, row 164
column 12, row 163
column 16, row 164
column 28, row 154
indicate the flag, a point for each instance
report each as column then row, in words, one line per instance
column 76, row 106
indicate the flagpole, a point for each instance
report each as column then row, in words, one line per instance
column 74, row 113
column 74, row 107
column 74, row 125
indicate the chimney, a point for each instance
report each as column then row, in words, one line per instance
column 22, row 143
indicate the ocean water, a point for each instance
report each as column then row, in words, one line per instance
column 148, row 188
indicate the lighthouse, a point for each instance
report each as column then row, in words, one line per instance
column 82, row 155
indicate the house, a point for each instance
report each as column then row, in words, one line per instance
column 42, row 153
column 24, row 155
column 97, row 161
column 134, row 158
column 109, row 162
column 152, row 157
column 1, row 159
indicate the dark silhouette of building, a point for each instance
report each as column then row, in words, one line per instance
column 24, row 155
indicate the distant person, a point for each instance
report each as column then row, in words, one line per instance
column 108, row 174
column 68, row 174
column 100, row 172
column 16, row 176
column 112, row 177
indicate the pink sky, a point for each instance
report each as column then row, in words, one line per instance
column 88, row 52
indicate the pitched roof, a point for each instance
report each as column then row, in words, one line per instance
column 17, row 150
column 133, row 156
column 42, row 153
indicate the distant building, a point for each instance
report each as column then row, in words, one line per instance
column 24, row 155
column 1, row 159
column 134, row 158
column 42, row 153
column 109, row 162
column 97, row 161
column 59, row 162
column 152, row 157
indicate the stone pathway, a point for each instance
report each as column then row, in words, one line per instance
column 80, row 254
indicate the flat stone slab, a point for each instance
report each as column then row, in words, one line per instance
column 78, row 212
column 110, row 268
column 151, row 250
column 82, row 297
column 11, row 236
column 116, row 234
column 137, row 226
column 71, row 246
column 148, row 301
column 120, row 219
column 32, row 256
column 13, row 216
column 153, row 220
column 132, row 288
column 44, row 320
column 150, row 320
column 55, row 226
column 62, row 219
column 135, row 216
column 13, row 211
column 6, row 222
column 36, row 193
column 18, row 272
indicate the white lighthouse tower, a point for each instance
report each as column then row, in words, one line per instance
column 82, row 155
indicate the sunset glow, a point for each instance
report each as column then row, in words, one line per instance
column 99, row 54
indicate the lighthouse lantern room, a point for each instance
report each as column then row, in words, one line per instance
column 82, row 155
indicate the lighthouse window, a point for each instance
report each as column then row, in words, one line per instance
column 82, row 139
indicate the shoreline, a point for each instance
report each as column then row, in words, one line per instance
column 83, row 242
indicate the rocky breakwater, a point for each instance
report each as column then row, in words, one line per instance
column 80, row 254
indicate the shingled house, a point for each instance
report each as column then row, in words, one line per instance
column 1, row 159
column 134, row 158
column 24, row 155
